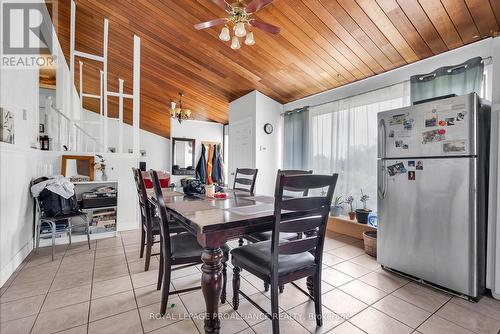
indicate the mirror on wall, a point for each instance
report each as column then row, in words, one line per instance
column 183, row 150
column 78, row 167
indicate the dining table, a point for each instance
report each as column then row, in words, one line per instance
column 214, row 222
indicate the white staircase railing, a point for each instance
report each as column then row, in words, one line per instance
column 61, row 129
column 103, row 89
column 71, row 129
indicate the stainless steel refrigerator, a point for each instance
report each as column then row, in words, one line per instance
column 432, row 192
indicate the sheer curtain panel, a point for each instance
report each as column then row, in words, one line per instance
column 343, row 139
column 296, row 139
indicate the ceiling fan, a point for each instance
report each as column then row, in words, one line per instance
column 240, row 18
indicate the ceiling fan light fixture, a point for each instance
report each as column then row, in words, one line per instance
column 235, row 43
column 240, row 19
column 250, row 40
column 224, row 34
column 239, row 29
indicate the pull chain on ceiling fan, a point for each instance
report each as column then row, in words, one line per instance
column 241, row 21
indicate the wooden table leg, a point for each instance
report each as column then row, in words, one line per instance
column 211, row 285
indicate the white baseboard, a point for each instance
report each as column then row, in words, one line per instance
column 10, row 267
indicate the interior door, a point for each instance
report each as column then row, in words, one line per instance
column 427, row 225
column 241, row 146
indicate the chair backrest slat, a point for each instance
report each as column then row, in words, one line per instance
column 246, row 171
column 296, row 172
column 249, row 182
column 304, row 203
column 301, row 224
column 306, row 181
column 298, row 246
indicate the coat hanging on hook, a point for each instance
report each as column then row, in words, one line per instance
column 201, row 167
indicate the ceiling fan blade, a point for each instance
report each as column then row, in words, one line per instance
column 223, row 4
column 265, row 26
column 256, row 5
column 208, row 24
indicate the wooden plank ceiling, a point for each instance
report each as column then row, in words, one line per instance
column 323, row 44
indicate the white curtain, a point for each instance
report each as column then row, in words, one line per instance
column 343, row 139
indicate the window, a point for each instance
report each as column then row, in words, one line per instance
column 341, row 136
column 343, row 139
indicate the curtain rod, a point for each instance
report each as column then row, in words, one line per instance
column 323, row 103
column 485, row 61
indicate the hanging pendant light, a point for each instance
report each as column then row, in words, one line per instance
column 224, row 34
column 250, row 40
column 179, row 113
column 235, row 43
column 239, row 29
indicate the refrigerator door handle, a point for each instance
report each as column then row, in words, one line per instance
column 382, row 180
column 382, row 139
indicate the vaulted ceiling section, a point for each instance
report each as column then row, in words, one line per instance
column 323, row 44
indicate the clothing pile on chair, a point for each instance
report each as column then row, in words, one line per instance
column 210, row 167
column 57, row 184
column 56, row 196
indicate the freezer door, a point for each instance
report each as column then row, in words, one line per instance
column 427, row 221
column 440, row 128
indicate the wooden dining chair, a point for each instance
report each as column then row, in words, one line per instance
column 181, row 250
column 280, row 261
column 245, row 183
column 150, row 222
column 267, row 235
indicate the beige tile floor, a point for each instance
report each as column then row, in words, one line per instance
column 105, row 290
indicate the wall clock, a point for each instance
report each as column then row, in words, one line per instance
column 268, row 128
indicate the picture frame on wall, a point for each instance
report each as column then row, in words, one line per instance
column 6, row 126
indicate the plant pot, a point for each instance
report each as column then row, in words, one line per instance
column 335, row 211
column 352, row 215
column 362, row 215
column 370, row 242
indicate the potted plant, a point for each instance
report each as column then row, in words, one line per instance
column 362, row 214
column 337, row 206
column 350, row 200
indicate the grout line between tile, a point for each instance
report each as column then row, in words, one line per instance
column 356, row 326
column 190, row 318
column 46, row 294
column 91, row 287
column 435, row 313
column 133, row 289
